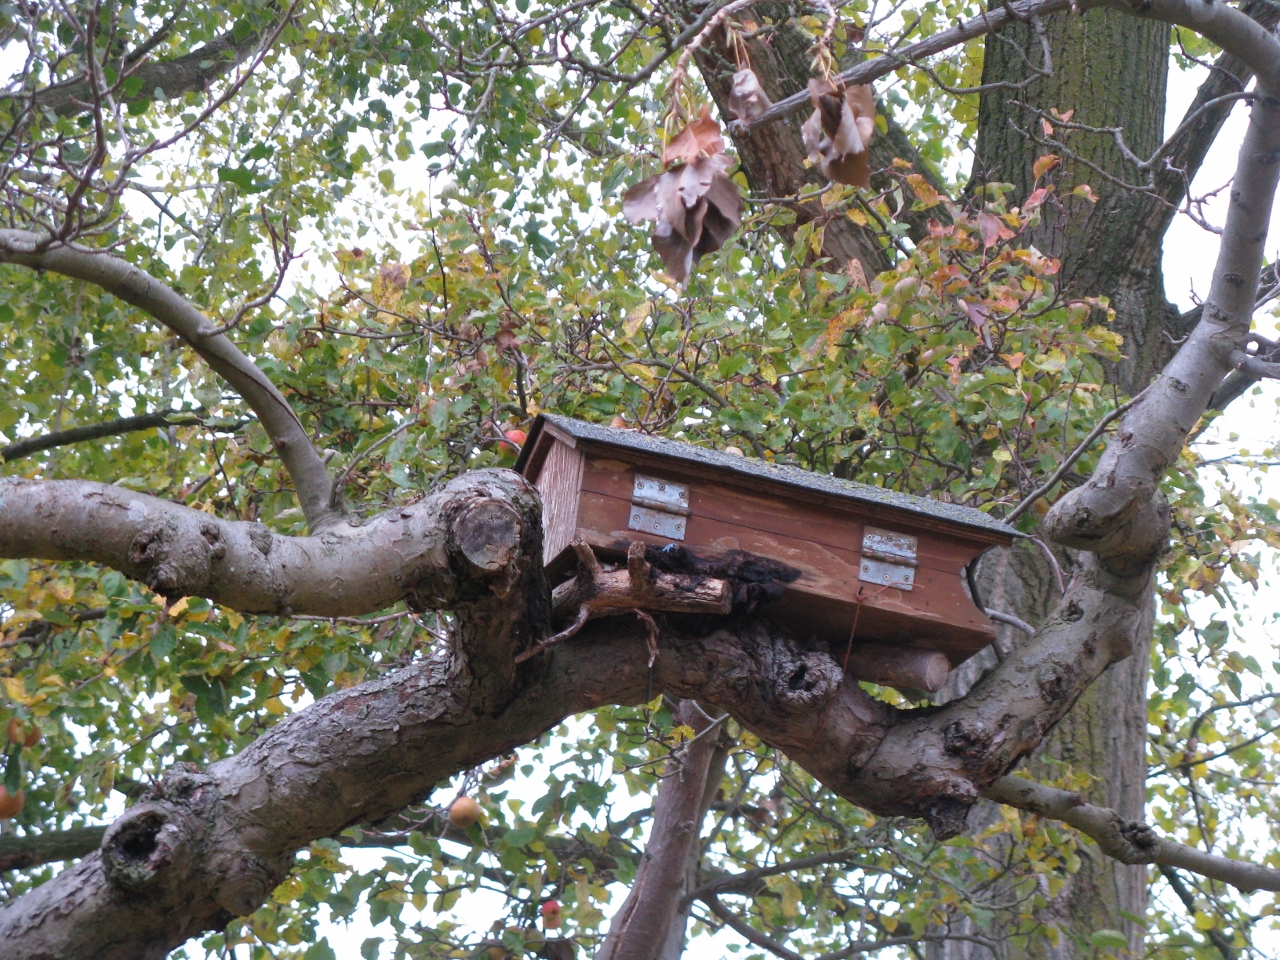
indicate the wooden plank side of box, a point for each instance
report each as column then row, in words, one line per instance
column 936, row 615
column 783, row 511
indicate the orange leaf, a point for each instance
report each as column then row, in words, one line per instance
column 1044, row 164
column 924, row 190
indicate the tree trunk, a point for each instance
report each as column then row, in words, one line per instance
column 1112, row 73
column 650, row 924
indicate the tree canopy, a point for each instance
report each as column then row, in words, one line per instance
column 284, row 285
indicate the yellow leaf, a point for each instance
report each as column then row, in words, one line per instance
column 1204, row 921
column 274, row 706
column 15, row 690
column 635, row 318
column 178, row 608
column 288, row 891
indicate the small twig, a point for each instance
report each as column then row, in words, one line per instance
column 1012, row 621
column 355, row 461
column 1075, row 455
column 583, row 612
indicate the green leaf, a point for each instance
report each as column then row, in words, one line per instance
column 1109, row 939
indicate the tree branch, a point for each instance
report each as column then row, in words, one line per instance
column 424, row 553
column 32, row 850
column 94, row 431
column 1229, row 74
column 748, row 932
column 885, row 64
column 129, row 283
column 1129, row 841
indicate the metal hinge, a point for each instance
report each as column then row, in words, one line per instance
column 888, row 558
column 659, row 506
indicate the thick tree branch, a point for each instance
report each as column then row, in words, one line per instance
column 129, row 283
column 94, row 431
column 424, row 553
column 1129, row 841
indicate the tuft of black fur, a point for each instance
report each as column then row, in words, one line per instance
column 755, row 579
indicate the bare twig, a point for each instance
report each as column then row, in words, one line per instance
column 1072, row 457
column 95, row 431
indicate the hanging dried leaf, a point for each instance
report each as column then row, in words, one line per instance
column 747, row 99
column 695, row 207
column 839, row 132
column 701, row 136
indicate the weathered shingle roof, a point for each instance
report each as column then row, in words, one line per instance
column 758, row 469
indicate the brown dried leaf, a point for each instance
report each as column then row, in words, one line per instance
column 747, row 99
column 857, row 275
column 699, row 137
column 694, row 180
column 839, row 132
column 724, row 216
column 671, row 211
column 675, row 249
column 640, row 202
column 696, row 209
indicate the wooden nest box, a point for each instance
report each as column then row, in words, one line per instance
column 895, row 562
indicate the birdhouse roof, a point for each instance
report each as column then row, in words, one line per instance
column 756, row 472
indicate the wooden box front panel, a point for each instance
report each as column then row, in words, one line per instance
column 820, row 540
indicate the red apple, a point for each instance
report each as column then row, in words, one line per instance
column 514, row 442
column 17, row 732
column 551, row 914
